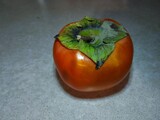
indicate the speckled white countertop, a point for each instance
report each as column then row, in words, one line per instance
column 30, row 88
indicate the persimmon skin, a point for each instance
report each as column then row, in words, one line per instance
column 78, row 71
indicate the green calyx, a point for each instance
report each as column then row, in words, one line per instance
column 95, row 38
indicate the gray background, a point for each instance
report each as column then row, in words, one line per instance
column 30, row 88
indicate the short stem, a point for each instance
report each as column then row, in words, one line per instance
column 85, row 38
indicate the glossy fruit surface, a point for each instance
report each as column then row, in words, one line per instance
column 78, row 71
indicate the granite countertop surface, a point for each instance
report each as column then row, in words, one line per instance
column 30, row 88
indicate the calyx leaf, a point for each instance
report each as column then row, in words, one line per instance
column 95, row 38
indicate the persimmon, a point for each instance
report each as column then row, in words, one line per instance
column 93, row 54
